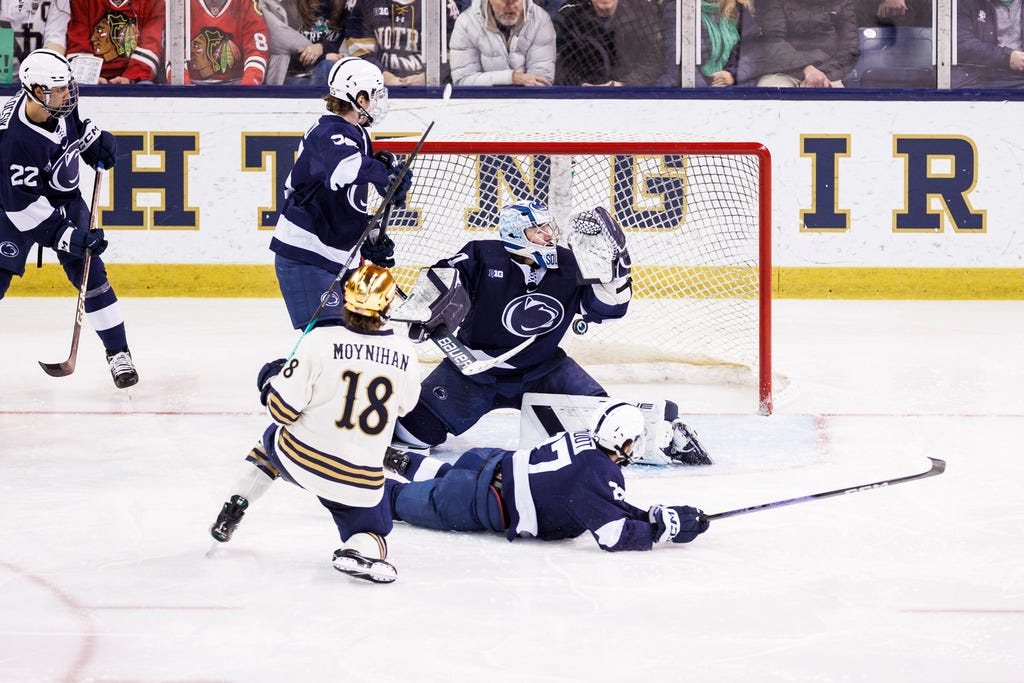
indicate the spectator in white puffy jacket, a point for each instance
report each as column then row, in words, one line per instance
column 503, row 42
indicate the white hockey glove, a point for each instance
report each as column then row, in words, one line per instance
column 438, row 304
column 599, row 244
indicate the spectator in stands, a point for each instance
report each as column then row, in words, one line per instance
column 35, row 25
column 894, row 13
column 503, row 42
column 990, row 48
column 720, row 26
column 126, row 34
column 387, row 33
column 302, row 34
column 228, row 43
column 608, row 42
column 803, row 43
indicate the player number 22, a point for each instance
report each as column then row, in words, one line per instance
column 24, row 175
column 374, row 417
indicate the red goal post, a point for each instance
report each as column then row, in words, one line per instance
column 697, row 217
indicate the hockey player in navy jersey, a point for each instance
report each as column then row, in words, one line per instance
column 42, row 139
column 325, row 211
column 334, row 406
column 525, row 286
column 567, row 485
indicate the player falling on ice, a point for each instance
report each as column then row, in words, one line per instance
column 334, row 406
column 42, row 138
column 525, row 286
column 563, row 487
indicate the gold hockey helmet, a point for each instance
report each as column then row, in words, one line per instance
column 370, row 290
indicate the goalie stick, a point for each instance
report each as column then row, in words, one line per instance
column 937, row 468
column 66, row 367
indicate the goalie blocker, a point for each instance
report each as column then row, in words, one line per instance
column 668, row 439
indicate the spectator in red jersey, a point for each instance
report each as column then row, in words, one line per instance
column 126, row 34
column 228, row 42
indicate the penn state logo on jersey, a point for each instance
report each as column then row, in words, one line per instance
column 9, row 249
column 332, row 301
column 532, row 314
column 64, row 174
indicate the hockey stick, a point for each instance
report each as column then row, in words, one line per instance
column 67, row 367
column 372, row 225
column 938, row 467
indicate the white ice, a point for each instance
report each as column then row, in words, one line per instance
column 106, row 496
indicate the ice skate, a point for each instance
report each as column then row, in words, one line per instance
column 396, row 461
column 227, row 521
column 122, row 369
column 352, row 562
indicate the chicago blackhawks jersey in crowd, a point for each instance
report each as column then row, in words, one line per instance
column 388, row 32
column 566, row 486
column 324, row 211
column 227, row 42
column 39, row 188
column 337, row 401
column 127, row 34
column 36, row 23
column 509, row 305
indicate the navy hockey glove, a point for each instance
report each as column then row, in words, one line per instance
column 394, row 168
column 678, row 523
column 268, row 372
column 99, row 147
column 380, row 253
column 74, row 241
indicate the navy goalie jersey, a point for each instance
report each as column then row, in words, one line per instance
column 507, row 309
column 566, row 486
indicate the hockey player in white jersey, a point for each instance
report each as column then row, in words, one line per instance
column 334, row 406
column 42, row 139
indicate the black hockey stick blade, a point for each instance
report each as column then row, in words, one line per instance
column 937, row 468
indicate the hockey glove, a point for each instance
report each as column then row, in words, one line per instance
column 268, row 372
column 74, row 241
column 679, row 523
column 99, row 147
column 394, row 168
column 381, row 253
column 684, row 448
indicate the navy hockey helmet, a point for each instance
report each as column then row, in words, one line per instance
column 351, row 76
column 619, row 428
column 513, row 222
column 51, row 72
column 370, row 290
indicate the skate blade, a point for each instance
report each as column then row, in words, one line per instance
column 377, row 572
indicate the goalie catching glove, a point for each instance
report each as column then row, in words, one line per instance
column 438, row 304
column 599, row 245
column 678, row 523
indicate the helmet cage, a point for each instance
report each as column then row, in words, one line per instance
column 50, row 72
column 513, row 222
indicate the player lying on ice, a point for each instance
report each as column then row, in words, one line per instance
column 565, row 486
column 524, row 290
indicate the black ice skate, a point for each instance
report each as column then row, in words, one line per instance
column 684, row 448
column 227, row 521
column 122, row 369
column 351, row 562
column 396, row 461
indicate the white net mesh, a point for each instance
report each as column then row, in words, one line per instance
column 692, row 215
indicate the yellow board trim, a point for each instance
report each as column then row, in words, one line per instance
column 259, row 281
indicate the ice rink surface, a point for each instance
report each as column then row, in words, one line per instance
column 106, row 496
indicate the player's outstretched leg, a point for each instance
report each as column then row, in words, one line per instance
column 362, row 557
column 227, row 521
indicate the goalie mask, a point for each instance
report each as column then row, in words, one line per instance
column 351, row 76
column 51, row 72
column 518, row 217
column 370, row 290
column 616, row 427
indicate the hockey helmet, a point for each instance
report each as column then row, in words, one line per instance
column 616, row 426
column 351, row 76
column 370, row 290
column 513, row 222
column 51, row 72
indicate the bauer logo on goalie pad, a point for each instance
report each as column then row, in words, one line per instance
column 544, row 415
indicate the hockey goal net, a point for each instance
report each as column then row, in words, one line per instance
column 697, row 221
